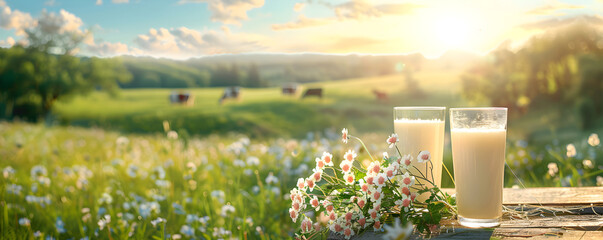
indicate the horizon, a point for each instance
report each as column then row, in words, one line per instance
column 189, row 29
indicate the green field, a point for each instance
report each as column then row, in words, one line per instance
column 259, row 112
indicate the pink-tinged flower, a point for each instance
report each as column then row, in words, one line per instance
column 317, row 227
column 377, row 226
column 362, row 222
column 344, row 135
column 406, row 202
column 320, row 164
column 348, row 216
column 301, row 184
column 327, row 158
column 315, row 203
column 408, row 180
column 310, row 184
column 406, row 161
column 346, row 166
column 363, row 186
column 373, row 214
column 593, row 140
column 337, row 227
column 374, row 168
column 348, row 233
column 424, row 156
column 377, row 207
column 370, row 180
column 571, row 150
column 376, row 195
column 381, row 179
column 317, row 175
column 405, row 190
column 361, row 202
column 296, row 206
column 392, row 140
column 349, row 179
column 329, row 208
column 332, row 216
column 413, row 196
column 350, row 155
column 306, row 225
column 293, row 214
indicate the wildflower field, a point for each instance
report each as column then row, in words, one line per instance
column 74, row 183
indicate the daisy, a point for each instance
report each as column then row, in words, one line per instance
column 397, row 231
column 362, row 221
column 361, row 201
column 348, row 217
column 317, row 175
column 344, row 135
column 332, row 216
column 350, row 155
column 349, row 179
column 377, row 226
column 373, row 214
column 392, row 140
column 346, row 166
column 391, row 170
column 381, row 179
column 315, row 203
column 301, row 184
column 363, row 185
column 370, row 180
column 327, row 158
column 293, row 214
column 407, row 180
column 320, row 164
column 310, row 183
column 348, row 233
column 374, row 168
column 423, row 156
column 337, row 227
column 406, row 161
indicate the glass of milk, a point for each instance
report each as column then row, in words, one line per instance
column 422, row 128
column 478, row 137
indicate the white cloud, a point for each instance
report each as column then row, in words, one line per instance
column 99, row 2
column 183, row 42
column 62, row 22
column 229, row 11
column 107, row 49
column 302, row 22
column 17, row 20
column 9, row 42
column 299, row 7
column 120, row 1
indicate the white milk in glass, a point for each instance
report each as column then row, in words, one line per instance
column 478, row 171
column 419, row 135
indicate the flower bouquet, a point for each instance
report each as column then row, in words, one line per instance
column 352, row 198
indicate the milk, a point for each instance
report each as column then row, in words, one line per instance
column 478, row 156
column 419, row 135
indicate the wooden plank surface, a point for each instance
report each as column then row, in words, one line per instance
column 571, row 213
column 550, row 196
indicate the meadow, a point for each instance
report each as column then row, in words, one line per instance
column 110, row 170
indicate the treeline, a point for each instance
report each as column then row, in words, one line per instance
column 260, row 70
column 563, row 68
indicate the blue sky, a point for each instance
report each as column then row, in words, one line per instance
column 193, row 28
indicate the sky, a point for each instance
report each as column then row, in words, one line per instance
column 182, row 29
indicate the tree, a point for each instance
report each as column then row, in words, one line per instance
column 253, row 77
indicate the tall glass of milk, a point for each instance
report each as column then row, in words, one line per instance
column 422, row 128
column 478, row 138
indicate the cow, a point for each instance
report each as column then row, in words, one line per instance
column 381, row 96
column 289, row 89
column 313, row 92
column 182, row 98
column 230, row 92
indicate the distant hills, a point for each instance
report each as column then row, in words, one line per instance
column 269, row 69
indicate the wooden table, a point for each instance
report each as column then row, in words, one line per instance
column 548, row 213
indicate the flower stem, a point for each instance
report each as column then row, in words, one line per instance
column 365, row 148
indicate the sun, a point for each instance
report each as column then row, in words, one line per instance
column 452, row 31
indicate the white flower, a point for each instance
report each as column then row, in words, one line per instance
column 187, row 230
column 306, row 225
column 385, row 155
column 346, row 166
column 238, row 163
column 348, row 178
column 423, row 156
column 327, row 158
column 397, row 231
column 310, row 183
column 350, row 155
column 253, row 160
column 587, row 163
column 406, row 162
column 157, row 221
column 373, row 168
column 226, row 209
column 381, row 179
column 315, row 203
column 599, row 181
column 344, row 135
column 348, row 232
column 593, row 140
column 317, row 175
column 552, row 169
column 172, row 135
column 301, row 184
column 271, row 178
column 24, row 222
column 571, row 150
column 392, row 140
column 121, row 141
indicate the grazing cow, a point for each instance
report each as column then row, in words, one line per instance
column 313, row 92
column 289, row 89
column 381, row 96
column 182, row 98
column 230, row 92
